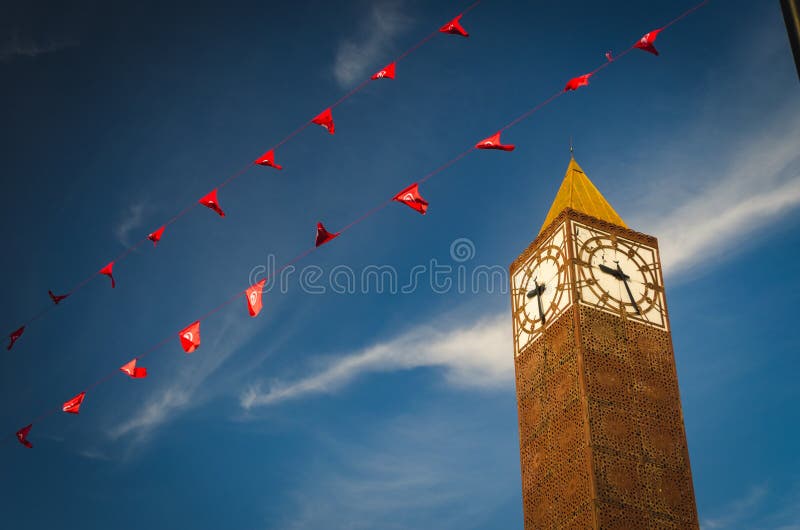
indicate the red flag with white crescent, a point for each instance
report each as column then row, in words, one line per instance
column 57, row 298
column 411, row 198
column 190, row 337
column 108, row 270
column 209, row 200
column 253, row 294
column 22, row 436
column 646, row 42
column 14, row 336
column 73, row 406
column 493, row 142
column 325, row 119
column 386, row 73
column 323, row 236
column 454, row 27
column 155, row 237
column 576, row 82
column 133, row 371
column 268, row 159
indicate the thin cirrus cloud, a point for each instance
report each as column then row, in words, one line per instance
column 474, row 356
column 357, row 55
column 17, row 46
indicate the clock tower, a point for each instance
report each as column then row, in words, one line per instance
column 602, row 440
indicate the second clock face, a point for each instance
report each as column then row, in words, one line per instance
column 618, row 275
column 540, row 290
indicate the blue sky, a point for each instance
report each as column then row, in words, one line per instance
column 375, row 410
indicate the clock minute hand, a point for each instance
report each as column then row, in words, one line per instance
column 625, row 279
column 537, row 292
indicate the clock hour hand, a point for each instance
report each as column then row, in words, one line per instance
column 621, row 276
column 537, row 292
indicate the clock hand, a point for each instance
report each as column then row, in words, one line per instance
column 537, row 292
column 624, row 277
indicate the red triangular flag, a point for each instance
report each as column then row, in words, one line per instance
column 576, row 82
column 155, row 237
column 253, row 294
column 268, row 159
column 210, row 201
column 411, row 198
column 386, row 73
column 646, row 42
column 454, row 27
column 22, row 436
column 325, row 119
column 493, row 142
column 108, row 271
column 57, row 298
column 133, row 371
column 323, row 236
column 73, row 406
column 190, row 337
column 14, row 336
column 609, row 57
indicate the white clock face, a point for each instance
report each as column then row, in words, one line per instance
column 619, row 276
column 540, row 290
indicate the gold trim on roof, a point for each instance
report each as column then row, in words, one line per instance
column 578, row 192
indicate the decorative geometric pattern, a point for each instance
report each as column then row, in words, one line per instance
column 602, row 440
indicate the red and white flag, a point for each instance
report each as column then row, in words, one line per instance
column 454, row 27
column 386, row 73
column 253, row 294
column 325, row 119
column 155, row 237
column 73, row 406
column 646, row 42
column 493, row 142
column 209, row 200
column 323, row 236
column 268, row 159
column 135, row 372
column 576, row 82
column 108, row 270
column 411, row 198
column 190, row 337
column 22, row 436
column 14, row 336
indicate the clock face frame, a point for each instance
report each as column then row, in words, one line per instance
column 597, row 254
column 540, row 289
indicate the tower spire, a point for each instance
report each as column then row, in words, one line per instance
column 578, row 193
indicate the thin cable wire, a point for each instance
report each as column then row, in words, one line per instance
column 357, row 221
column 80, row 285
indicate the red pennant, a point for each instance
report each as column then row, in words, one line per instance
column 325, row 119
column 454, row 27
column 190, row 337
column 576, row 82
column 493, row 142
column 133, row 371
column 411, row 198
column 210, row 201
column 386, row 73
column 57, row 298
column 268, row 159
column 323, row 236
column 22, row 436
column 646, row 42
column 254, row 293
column 73, row 406
column 14, row 337
column 609, row 57
column 108, row 271
column 155, row 237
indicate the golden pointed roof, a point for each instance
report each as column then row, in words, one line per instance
column 578, row 192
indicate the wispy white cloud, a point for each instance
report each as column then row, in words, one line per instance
column 476, row 355
column 182, row 392
column 356, row 55
column 16, row 45
column 131, row 219
column 758, row 182
column 762, row 507
column 736, row 512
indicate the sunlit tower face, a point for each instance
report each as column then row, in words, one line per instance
column 602, row 441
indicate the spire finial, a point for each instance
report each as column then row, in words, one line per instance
column 571, row 148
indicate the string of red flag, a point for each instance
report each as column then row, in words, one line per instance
column 190, row 337
column 324, row 119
